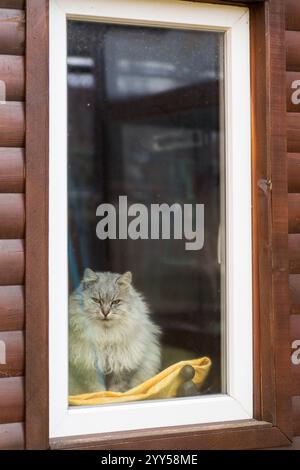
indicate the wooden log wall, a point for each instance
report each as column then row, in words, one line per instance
column 12, row 223
column 12, row 215
column 293, row 156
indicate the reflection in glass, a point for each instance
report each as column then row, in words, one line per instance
column 145, row 120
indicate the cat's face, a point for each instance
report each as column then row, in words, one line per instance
column 105, row 296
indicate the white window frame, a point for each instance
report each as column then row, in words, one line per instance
column 237, row 404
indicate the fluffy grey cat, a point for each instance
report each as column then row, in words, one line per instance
column 113, row 343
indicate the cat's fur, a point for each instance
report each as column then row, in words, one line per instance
column 112, row 346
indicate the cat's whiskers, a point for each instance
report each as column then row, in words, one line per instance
column 125, row 342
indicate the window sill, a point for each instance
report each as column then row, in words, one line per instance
column 249, row 434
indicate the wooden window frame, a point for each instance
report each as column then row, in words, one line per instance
column 271, row 426
column 237, row 344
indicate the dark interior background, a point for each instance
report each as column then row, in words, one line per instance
column 144, row 119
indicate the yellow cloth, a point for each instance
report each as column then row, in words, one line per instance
column 163, row 385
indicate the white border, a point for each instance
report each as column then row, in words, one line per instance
column 238, row 403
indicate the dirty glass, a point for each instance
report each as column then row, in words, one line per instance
column 146, row 211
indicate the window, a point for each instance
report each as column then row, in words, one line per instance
column 145, row 134
column 150, row 106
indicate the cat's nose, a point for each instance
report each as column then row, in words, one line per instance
column 105, row 311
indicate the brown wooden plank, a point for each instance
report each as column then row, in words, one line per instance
column 294, row 327
column 292, row 15
column 294, row 213
column 12, row 170
column 248, row 3
column 11, row 308
column 260, row 205
column 13, row 344
column 231, row 2
column 295, row 445
column 12, row 216
column 294, row 283
column 15, row 4
column 294, row 172
column 11, row 400
column 293, row 132
column 12, row 436
column 294, row 253
column 293, row 92
column 37, row 149
column 295, row 336
column 12, row 32
column 296, row 415
column 276, row 73
column 292, row 51
column 264, row 374
column 12, row 124
column 295, row 380
column 12, row 74
column 11, row 262
column 184, row 438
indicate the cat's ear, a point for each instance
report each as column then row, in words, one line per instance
column 125, row 280
column 89, row 277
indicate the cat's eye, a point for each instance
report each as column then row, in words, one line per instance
column 116, row 302
column 96, row 300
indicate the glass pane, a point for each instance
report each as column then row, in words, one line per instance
column 145, row 126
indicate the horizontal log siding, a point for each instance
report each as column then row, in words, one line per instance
column 12, row 222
